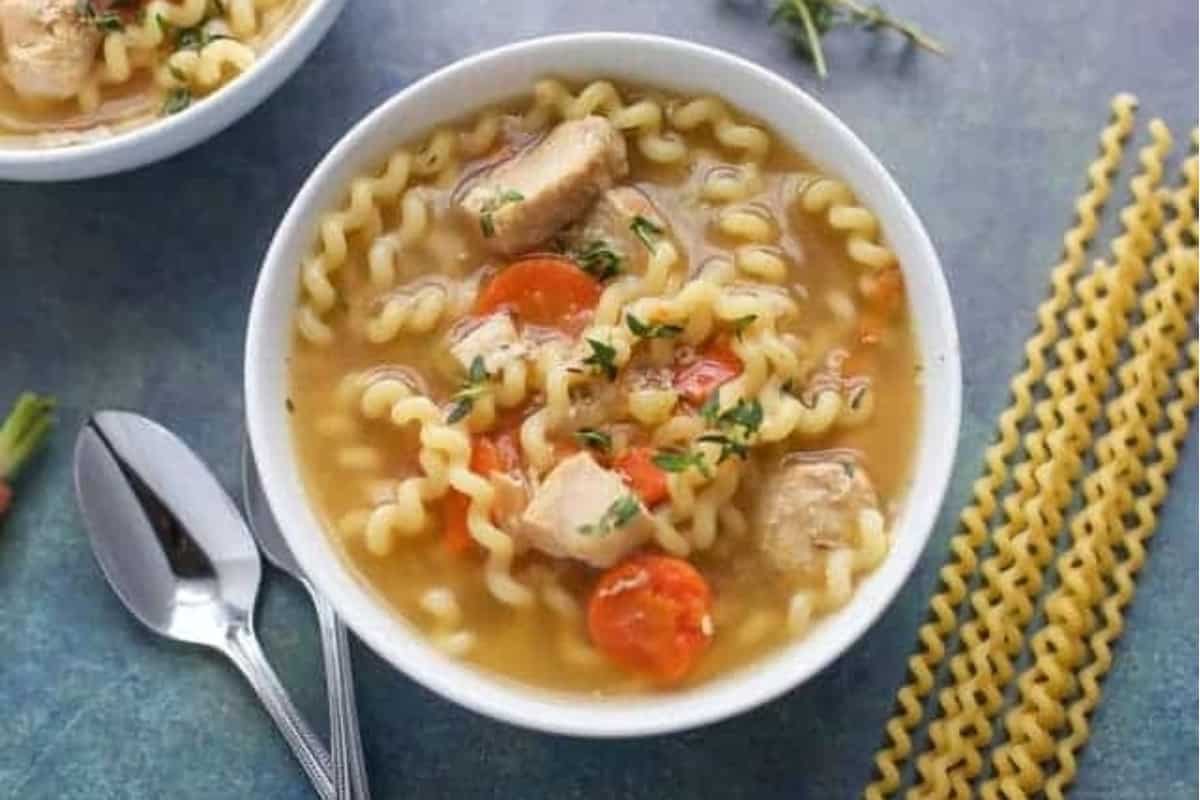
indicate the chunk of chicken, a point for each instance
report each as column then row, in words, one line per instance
column 48, row 49
column 807, row 505
column 524, row 201
column 609, row 228
column 585, row 512
column 494, row 338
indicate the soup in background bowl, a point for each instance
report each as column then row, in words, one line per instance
column 604, row 405
column 90, row 87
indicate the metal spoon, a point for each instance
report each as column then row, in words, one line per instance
column 349, row 769
column 175, row 550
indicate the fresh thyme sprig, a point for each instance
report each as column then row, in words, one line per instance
column 618, row 515
column 472, row 389
column 809, row 20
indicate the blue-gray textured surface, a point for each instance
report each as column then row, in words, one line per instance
column 132, row 291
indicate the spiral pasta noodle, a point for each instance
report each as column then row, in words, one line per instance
column 966, row 545
column 751, row 140
column 1086, row 568
column 819, row 194
column 1083, row 613
column 552, row 100
column 1004, row 604
column 223, row 49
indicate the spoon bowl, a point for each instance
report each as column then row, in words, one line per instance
column 157, row 562
column 172, row 545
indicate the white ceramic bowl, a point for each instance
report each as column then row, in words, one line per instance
column 497, row 75
column 165, row 137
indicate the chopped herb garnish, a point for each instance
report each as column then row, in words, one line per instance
column 646, row 331
column 177, row 73
column 602, row 359
column 176, row 100
column 472, row 389
column 741, row 323
column 596, row 440
column 746, row 415
column 646, row 230
column 290, row 405
column 502, row 198
column 597, row 259
column 849, row 468
column 729, row 446
column 711, row 409
column 681, row 461
column 108, row 20
column 196, row 38
column 618, row 515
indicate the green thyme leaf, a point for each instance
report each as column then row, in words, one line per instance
column 807, row 21
column 598, row 259
column 741, row 323
column 747, row 415
column 617, row 515
column 730, row 447
column 711, row 410
column 108, row 21
column 596, row 440
column 472, row 389
column 478, row 371
column 645, row 331
column 503, row 197
column 681, row 461
column 602, row 359
column 646, row 230
column 176, row 100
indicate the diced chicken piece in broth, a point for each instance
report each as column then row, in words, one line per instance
column 609, row 227
column 524, row 201
column 49, row 48
column 494, row 338
column 806, row 505
column 585, row 512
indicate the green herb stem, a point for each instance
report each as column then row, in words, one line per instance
column 23, row 431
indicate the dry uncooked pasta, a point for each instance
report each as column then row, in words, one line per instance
column 1042, row 727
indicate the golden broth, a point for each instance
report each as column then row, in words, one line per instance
column 540, row 645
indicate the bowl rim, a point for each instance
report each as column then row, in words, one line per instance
column 168, row 136
column 494, row 695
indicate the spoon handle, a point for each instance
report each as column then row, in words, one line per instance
column 349, row 769
column 243, row 648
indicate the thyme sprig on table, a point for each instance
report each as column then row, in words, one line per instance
column 807, row 21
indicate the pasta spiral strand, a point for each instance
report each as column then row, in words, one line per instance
column 552, row 100
column 1087, row 566
column 1025, row 543
column 965, row 546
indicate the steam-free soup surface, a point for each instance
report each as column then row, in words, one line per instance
column 641, row 356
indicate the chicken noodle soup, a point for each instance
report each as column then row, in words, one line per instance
column 606, row 392
column 74, row 70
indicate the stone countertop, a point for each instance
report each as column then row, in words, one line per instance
column 132, row 291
